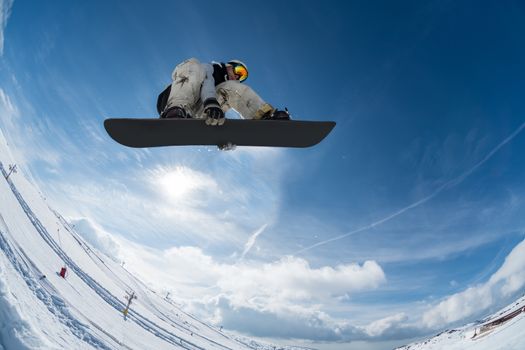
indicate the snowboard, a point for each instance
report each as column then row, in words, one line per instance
column 151, row 132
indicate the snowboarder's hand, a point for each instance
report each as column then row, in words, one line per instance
column 214, row 116
column 214, row 113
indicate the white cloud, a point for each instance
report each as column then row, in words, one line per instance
column 292, row 279
column 509, row 279
column 13, row 134
column 381, row 326
column 299, row 322
column 293, row 322
column 459, row 306
column 5, row 12
column 266, row 285
column 287, row 295
column 32, row 140
column 8, row 108
column 96, row 236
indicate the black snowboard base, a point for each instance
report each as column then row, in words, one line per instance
column 151, row 132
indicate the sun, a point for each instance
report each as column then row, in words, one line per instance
column 181, row 182
column 178, row 183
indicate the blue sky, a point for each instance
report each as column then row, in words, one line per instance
column 414, row 201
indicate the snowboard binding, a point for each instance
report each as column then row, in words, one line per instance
column 176, row 112
column 227, row 147
column 277, row 114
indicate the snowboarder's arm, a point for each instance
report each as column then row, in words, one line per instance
column 162, row 100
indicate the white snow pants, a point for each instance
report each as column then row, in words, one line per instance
column 188, row 80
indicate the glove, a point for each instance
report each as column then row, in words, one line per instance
column 214, row 113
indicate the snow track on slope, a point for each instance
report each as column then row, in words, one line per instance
column 57, row 306
column 102, row 292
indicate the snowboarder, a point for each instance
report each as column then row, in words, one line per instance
column 208, row 90
column 63, row 272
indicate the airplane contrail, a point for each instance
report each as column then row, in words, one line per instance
column 449, row 184
column 251, row 241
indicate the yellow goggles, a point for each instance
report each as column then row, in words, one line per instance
column 240, row 72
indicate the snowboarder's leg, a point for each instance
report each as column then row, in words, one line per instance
column 185, row 88
column 242, row 98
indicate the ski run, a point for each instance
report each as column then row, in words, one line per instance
column 91, row 307
column 503, row 330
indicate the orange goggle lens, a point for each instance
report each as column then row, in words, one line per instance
column 241, row 72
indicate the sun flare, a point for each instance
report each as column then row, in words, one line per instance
column 183, row 181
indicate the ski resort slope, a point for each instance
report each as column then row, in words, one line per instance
column 83, row 310
column 504, row 330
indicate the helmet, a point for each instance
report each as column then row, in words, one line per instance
column 239, row 69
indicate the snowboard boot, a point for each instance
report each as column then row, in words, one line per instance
column 277, row 114
column 175, row 112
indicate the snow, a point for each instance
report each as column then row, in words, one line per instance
column 84, row 310
column 502, row 330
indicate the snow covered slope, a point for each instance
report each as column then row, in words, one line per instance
column 41, row 310
column 503, row 330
